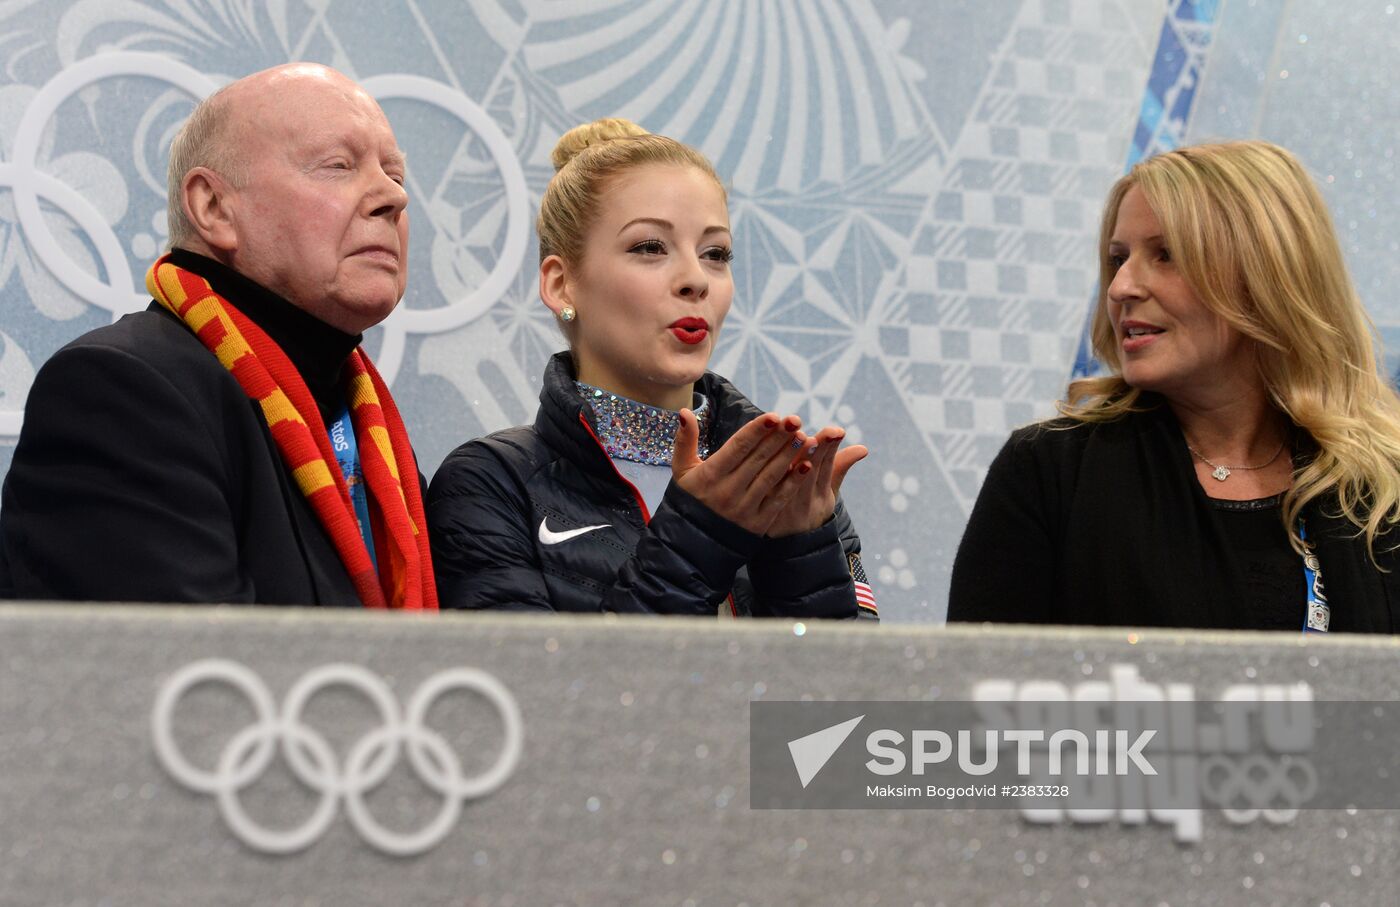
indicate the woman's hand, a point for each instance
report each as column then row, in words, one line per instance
column 752, row 478
column 814, row 500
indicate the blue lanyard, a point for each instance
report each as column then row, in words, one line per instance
column 347, row 455
column 1319, row 615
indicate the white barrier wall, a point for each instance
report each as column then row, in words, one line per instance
column 275, row 756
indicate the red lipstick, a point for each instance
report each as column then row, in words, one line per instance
column 690, row 330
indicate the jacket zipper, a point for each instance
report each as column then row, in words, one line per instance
column 641, row 501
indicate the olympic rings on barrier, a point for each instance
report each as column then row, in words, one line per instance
column 312, row 761
column 1254, row 785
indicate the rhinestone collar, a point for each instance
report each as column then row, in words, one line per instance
column 638, row 432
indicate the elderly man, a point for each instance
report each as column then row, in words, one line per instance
column 232, row 443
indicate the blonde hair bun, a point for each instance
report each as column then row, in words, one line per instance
column 594, row 133
column 585, row 159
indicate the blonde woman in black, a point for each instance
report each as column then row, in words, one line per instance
column 1239, row 465
column 646, row 484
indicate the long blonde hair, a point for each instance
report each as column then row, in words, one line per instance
column 1250, row 233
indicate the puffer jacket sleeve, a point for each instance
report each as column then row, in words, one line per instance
column 479, row 526
column 809, row 574
column 685, row 561
column 484, row 554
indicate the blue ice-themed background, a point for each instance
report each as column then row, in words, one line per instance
column 915, row 188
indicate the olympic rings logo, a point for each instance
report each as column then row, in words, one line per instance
column 1246, row 788
column 311, row 759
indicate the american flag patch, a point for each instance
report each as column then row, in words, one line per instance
column 865, row 596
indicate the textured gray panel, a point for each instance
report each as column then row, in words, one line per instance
column 633, row 787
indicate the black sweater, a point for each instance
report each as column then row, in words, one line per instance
column 1107, row 524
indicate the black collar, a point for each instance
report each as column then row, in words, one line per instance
column 316, row 349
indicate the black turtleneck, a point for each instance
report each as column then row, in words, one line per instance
column 316, row 349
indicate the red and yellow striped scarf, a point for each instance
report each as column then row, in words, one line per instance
column 405, row 576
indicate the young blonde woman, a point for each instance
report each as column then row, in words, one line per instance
column 1239, row 466
column 646, row 483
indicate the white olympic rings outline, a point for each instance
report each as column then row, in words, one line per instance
column 121, row 295
column 25, row 181
column 370, row 760
column 1259, row 782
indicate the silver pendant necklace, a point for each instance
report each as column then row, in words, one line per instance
column 1221, row 473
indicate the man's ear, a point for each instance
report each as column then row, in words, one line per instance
column 208, row 202
column 555, row 284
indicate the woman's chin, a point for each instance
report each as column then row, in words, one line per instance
column 1145, row 380
column 683, row 369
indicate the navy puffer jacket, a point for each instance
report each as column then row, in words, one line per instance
column 501, row 508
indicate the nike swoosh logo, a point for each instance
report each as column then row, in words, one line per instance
column 550, row 537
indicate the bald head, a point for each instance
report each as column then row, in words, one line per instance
column 293, row 178
column 211, row 137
